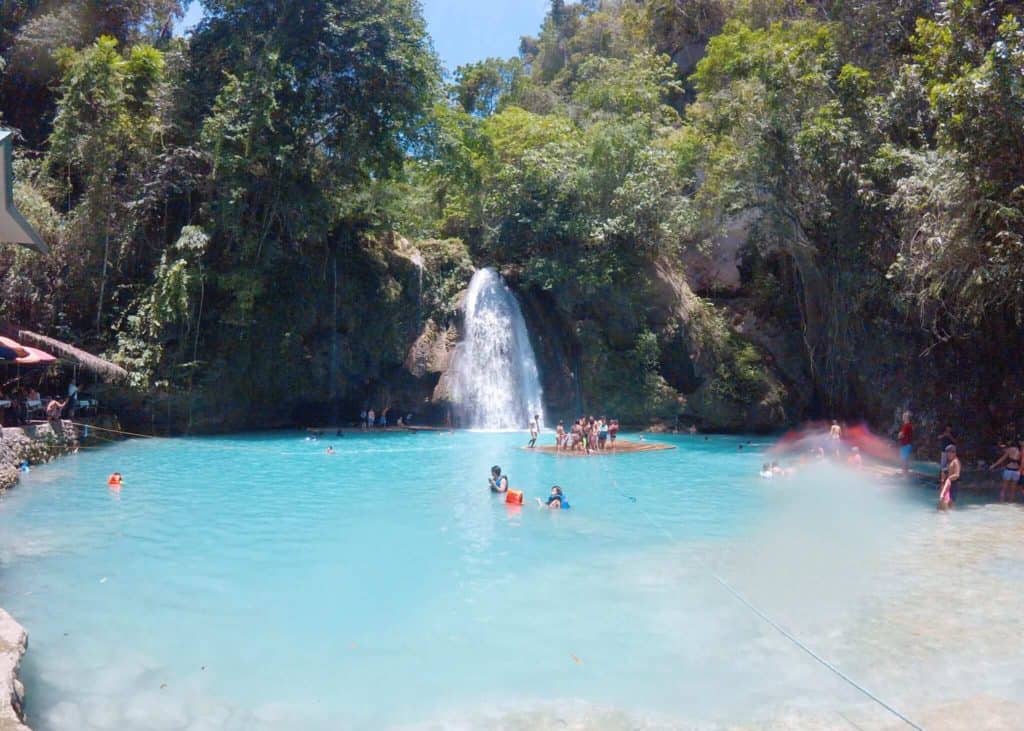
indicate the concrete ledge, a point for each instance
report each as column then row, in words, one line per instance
column 13, row 643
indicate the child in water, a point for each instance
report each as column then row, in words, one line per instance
column 497, row 481
column 556, row 500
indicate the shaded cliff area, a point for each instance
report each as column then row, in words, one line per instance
column 728, row 214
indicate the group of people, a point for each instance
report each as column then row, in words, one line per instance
column 17, row 403
column 587, row 435
column 368, row 419
column 1008, row 464
column 499, row 484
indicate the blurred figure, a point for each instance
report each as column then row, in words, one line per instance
column 1010, row 462
column 906, row 440
column 946, row 440
column 950, row 488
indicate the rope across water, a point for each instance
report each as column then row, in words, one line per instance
column 767, row 619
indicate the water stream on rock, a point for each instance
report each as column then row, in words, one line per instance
column 495, row 382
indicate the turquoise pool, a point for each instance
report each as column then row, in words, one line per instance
column 255, row 582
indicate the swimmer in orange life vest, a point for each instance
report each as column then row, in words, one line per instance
column 114, row 480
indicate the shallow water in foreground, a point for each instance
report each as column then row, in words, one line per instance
column 257, row 583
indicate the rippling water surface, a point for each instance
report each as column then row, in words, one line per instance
column 258, row 583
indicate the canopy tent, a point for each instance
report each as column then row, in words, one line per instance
column 14, row 229
column 104, row 369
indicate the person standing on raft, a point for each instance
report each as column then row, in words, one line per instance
column 497, row 481
column 534, row 430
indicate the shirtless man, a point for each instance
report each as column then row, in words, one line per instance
column 947, row 497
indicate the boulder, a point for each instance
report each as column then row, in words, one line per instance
column 13, row 644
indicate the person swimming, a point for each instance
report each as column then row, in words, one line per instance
column 766, row 471
column 556, row 500
column 497, row 481
column 330, row 450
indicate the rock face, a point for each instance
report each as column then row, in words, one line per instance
column 37, row 444
column 13, row 643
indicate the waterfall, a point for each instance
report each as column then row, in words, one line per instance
column 495, row 383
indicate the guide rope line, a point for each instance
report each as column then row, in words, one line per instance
column 767, row 619
column 115, row 431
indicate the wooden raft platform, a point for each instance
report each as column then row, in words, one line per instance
column 622, row 446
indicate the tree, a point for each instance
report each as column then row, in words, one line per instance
column 480, row 87
column 104, row 132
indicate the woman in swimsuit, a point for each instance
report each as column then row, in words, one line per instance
column 1010, row 462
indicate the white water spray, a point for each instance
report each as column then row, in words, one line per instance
column 495, row 381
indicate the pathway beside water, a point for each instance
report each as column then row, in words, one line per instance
column 257, row 583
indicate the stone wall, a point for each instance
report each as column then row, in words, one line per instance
column 36, row 443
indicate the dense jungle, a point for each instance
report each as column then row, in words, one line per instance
column 734, row 214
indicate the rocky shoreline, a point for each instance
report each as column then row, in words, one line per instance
column 13, row 643
column 36, row 444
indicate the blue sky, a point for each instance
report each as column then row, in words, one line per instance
column 470, row 30
column 463, row 30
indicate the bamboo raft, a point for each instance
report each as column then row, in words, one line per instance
column 622, row 446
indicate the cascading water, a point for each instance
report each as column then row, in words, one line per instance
column 495, row 382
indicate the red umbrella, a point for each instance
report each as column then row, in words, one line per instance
column 35, row 357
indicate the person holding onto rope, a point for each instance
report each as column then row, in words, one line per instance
column 497, row 481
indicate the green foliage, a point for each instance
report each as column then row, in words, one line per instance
column 480, row 87
column 240, row 187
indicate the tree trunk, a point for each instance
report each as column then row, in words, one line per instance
column 103, row 279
